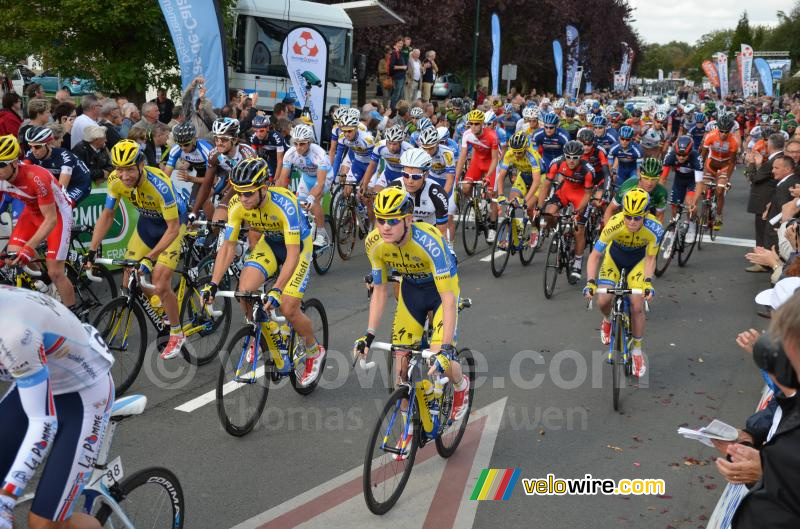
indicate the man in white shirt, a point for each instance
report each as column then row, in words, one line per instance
column 413, row 77
column 91, row 113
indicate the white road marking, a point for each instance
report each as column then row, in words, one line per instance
column 211, row 396
column 730, row 241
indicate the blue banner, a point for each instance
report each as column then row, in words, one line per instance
column 558, row 59
column 765, row 74
column 495, row 53
column 199, row 39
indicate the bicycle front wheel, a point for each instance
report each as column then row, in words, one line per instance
column 527, row 252
column 242, row 386
column 388, row 462
column 90, row 295
column 470, row 227
column 451, row 430
column 323, row 256
column 686, row 248
column 122, row 326
column 618, row 362
column 551, row 267
column 702, row 224
column 205, row 333
column 151, row 497
column 500, row 255
column 666, row 248
column 346, row 229
column 315, row 312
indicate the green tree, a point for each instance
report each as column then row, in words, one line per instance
column 743, row 34
column 124, row 44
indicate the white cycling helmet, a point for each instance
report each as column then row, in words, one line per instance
column 302, row 133
column 354, row 112
column 530, row 113
column 350, row 119
column 443, row 132
column 416, row 112
column 428, row 137
column 416, row 158
column 339, row 113
column 559, row 103
column 395, row 133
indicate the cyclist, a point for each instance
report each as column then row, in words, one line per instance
column 58, row 406
column 569, row 123
column 268, row 143
column 222, row 159
column 429, row 198
column 483, row 142
column 721, row 148
column 627, row 155
column 606, row 137
column 688, row 167
column 654, row 137
column 285, row 240
column 359, row 145
column 649, row 175
column 595, row 155
column 575, row 184
column 389, row 150
column 421, row 124
column 71, row 173
column 429, row 284
column 156, row 243
column 316, row 176
column 47, row 215
column 189, row 156
column 446, row 141
column 629, row 241
column 527, row 164
column 443, row 172
column 491, row 122
column 529, row 122
column 550, row 139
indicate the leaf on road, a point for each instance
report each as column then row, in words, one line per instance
column 637, row 464
column 615, row 448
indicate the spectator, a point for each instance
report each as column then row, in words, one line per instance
column 177, row 117
column 199, row 112
column 402, row 118
column 38, row 116
column 292, row 112
column 65, row 115
column 385, row 82
column 397, row 69
column 783, row 172
column 130, row 116
column 762, row 186
column 91, row 113
column 149, row 116
column 792, row 149
column 11, row 114
column 279, row 111
column 58, row 134
column 93, row 152
column 111, row 119
column 165, row 106
column 429, row 72
column 63, row 96
column 154, row 143
column 121, row 101
column 34, row 91
column 406, row 49
column 413, row 76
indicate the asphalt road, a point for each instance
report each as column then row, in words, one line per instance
column 560, row 422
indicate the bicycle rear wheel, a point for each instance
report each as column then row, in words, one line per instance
column 346, row 229
column 205, row 334
column 551, row 267
column 666, row 248
column 712, row 220
column 385, row 476
column 618, row 364
column 470, row 228
column 242, row 386
column 702, row 224
column 686, row 247
column 151, row 497
column 323, row 257
column 90, row 295
column 450, row 433
column 123, row 328
column 527, row 252
column 500, row 256
column 315, row 311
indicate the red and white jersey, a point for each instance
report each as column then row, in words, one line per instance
column 35, row 186
column 482, row 145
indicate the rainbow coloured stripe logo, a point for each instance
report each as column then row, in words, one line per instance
column 495, row 484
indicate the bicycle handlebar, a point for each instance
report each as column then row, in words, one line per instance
column 620, row 291
column 126, row 263
column 25, row 268
column 253, row 295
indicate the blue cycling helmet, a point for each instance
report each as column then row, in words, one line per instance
column 626, row 132
column 550, row 119
column 629, row 107
column 595, row 105
column 508, row 107
column 699, row 117
column 600, row 121
column 260, row 122
column 424, row 123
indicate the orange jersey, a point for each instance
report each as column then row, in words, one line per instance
column 760, row 146
column 721, row 150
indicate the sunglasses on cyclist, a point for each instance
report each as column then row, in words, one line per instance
column 248, row 194
column 262, row 130
column 187, row 144
column 300, row 143
column 549, row 127
column 634, row 217
column 624, row 139
column 413, row 176
column 390, row 222
column 348, row 129
column 3, row 165
column 572, row 158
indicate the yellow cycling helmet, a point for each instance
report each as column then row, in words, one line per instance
column 9, row 148
column 125, row 153
column 476, row 116
column 393, row 203
column 249, row 174
column 635, row 202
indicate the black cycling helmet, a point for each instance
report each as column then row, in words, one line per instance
column 184, row 133
column 637, row 112
column 250, row 174
column 569, row 112
column 586, row 136
column 573, row 148
column 684, row 145
column 725, row 123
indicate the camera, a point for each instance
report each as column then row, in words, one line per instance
column 769, row 355
column 312, row 79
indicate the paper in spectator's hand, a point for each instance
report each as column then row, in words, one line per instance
column 716, row 430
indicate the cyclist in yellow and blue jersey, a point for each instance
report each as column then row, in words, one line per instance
column 527, row 163
column 629, row 241
column 429, row 283
column 156, row 243
column 285, row 240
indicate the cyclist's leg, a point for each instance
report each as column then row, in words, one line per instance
column 454, row 370
column 260, row 265
column 408, row 324
column 293, row 294
column 722, row 180
column 165, row 265
column 82, row 421
column 57, row 250
column 636, row 280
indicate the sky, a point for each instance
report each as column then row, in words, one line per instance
column 687, row 20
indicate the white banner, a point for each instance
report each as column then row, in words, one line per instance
column 753, row 85
column 576, row 84
column 660, row 74
column 619, row 81
column 722, row 69
column 305, row 53
column 747, row 68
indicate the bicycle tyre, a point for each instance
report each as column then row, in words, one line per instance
column 89, row 295
column 119, row 311
column 346, row 230
column 662, row 262
column 220, row 327
column 712, row 220
column 686, row 249
column 447, row 449
column 618, row 366
column 311, row 305
column 323, row 257
column 154, row 475
column 702, row 225
column 378, row 433
column 499, row 256
column 469, row 228
column 552, row 267
column 459, row 200
column 527, row 252
column 229, row 355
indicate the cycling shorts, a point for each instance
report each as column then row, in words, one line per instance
column 267, row 255
column 477, row 171
column 716, row 169
column 145, row 238
column 82, row 419
column 413, row 305
column 567, row 195
column 356, row 172
column 680, row 187
column 624, row 172
column 522, row 183
column 306, row 183
column 615, row 259
column 57, row 240
column 383, row 178
column 76, row 194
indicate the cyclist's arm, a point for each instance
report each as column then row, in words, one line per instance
column 462, row 158
column 204, row 192
column 319, row 187
column 664, row 174
column 103, row 223
column 285, row 175
column 65, row 176
column 649, row 265
column 333, row 149
column 587, row 195
column 449, row 316
column 377, row 303
column 593, row 263
column 546, row 184
column 368, row 174
column 50, row 214
column 500, row 181
column 611, row 210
